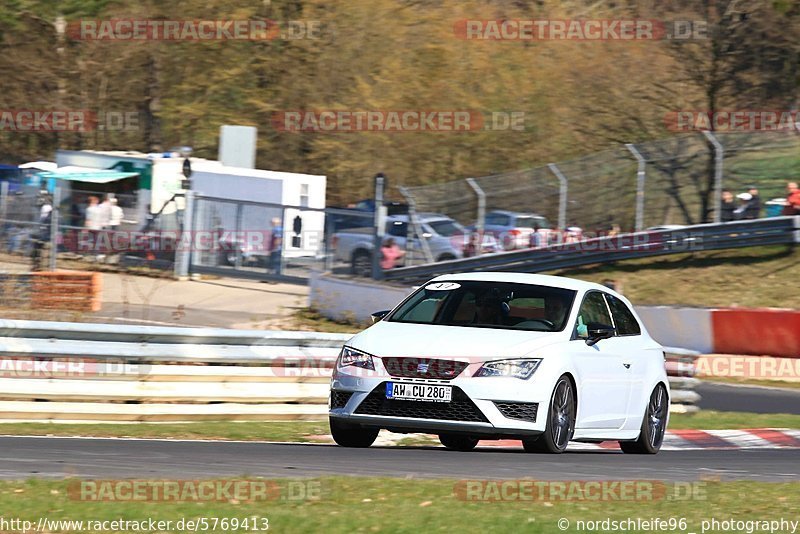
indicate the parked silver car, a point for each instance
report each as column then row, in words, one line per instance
column 445, row 238
column 514, row 230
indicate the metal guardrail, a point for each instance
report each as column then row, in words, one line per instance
column 100, row 372
column 771, row 231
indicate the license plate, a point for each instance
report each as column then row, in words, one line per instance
column 418, row 392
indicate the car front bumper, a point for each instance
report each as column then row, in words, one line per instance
column 489, row 406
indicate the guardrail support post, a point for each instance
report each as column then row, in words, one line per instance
column 481, row 211
column 719, row 154
column 562, row 195
column 640, row 178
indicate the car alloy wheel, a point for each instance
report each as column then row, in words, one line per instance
column 560, row 421
column 654, row 425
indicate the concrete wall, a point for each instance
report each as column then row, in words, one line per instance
column 352, row 300
column 689, row 328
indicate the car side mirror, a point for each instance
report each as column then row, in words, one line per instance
column 598, row 331
column 377, row 316
column 427, row 235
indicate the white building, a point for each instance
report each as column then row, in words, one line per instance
column 160, row 177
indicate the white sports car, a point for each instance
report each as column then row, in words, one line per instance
column 476, row 356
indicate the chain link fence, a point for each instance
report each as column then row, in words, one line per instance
column 674, row 181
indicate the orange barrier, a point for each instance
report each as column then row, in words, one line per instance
column 66, row 290
column 757, row 332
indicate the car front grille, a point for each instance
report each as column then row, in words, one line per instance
column 460, row 408
column 424, row 368
column 526, row 411
column 339, row 398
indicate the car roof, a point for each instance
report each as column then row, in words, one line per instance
column 526, row 278
column 516, row 213
column 423, row 217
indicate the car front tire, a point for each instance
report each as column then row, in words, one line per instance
column 458, row 443
column 362, row 263
column 560, row 421
column 354, row 436
column 654, row 425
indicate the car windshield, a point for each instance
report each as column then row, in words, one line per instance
column 529, row 222
column 446, row 227
column 485, row 304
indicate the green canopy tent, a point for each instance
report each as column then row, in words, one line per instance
column 87, row 175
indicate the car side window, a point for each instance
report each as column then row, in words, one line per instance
column 397, row 229
column 624, row 320
column 593, row 310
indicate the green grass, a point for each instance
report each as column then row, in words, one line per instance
column 360, row 504
column 306, row 319
column 245, row 431
column 748, row 277
column 713, row 420
column 303, row 431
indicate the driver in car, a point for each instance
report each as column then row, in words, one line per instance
column 490, row 310
column 554, row 310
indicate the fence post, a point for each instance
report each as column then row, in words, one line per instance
column 413, row 222
column 3, row 200
column 54, row 220
column 719, row 154
column 184, row 251
column 640, row 178
column 562, row 195
column 378, row 229
column 481, row 206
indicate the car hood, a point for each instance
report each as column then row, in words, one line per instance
column 434, row 341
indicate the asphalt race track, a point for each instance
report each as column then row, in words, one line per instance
column 25, row 457
column 734, row 398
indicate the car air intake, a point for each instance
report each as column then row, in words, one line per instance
column 424, row 368
column 525, row 411
column 339, row 398
column 460, row 408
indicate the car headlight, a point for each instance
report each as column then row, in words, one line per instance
column 522, row 369
column 355, row 358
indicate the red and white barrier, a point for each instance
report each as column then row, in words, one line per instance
column 744, row 331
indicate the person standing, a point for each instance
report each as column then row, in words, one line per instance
column 93, row 220
column 753, row 210
column 740, row 213
column 792, row 199
column 42, row 234
column 275, row 245
column 727, row 207
column 115, row 215
column 390, row 253
column 105, row 213
column 94, row 224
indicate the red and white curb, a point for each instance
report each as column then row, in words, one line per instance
column 757, row 438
